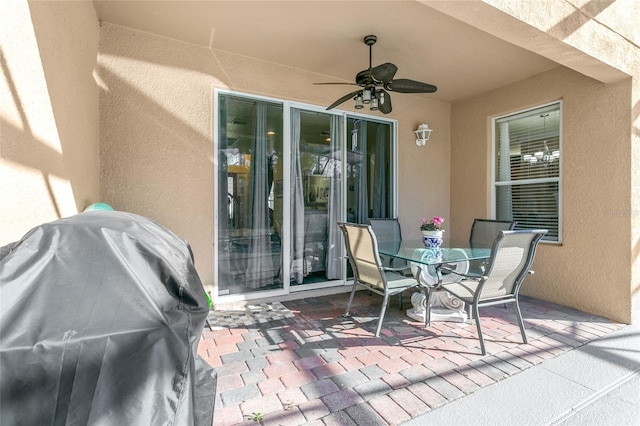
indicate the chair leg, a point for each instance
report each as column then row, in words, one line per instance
column 476, row 314
column 353, row 291
column 520, row 321
column 385, row 302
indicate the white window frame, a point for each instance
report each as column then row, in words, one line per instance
column 495, row 183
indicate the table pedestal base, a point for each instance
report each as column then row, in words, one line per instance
column 444, row 307
column 439, row 314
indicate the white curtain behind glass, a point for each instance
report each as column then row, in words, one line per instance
column 505, row 204
column 380, row 175
column 297, row 202
column 335, row 208
column 361, row 188
column 224, row 266
column 260, row 263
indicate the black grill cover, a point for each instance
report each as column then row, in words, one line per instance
column 100, row 318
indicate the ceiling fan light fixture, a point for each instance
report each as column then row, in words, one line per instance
column 358, row 99
column 366, row 96
column 374, row 104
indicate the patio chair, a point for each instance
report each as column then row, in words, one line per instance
column 368, row 271
column 483, row 233
column 511, row 256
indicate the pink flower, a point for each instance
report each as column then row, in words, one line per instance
column 434, row 224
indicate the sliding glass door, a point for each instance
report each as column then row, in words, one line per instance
column 277, row 220
column 369, row 170
column 316, row 197
column 249, row 167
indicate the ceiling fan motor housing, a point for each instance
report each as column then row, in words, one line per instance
column 370, row 40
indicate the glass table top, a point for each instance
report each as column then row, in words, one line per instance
column 449, row 251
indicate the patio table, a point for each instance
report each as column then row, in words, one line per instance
column 427, row 267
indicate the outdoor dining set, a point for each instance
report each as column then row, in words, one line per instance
column 486, row 270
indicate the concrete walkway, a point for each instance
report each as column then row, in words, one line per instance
column 594, row 384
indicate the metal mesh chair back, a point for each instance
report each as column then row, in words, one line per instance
column 362, row 249
column 511, row 257
column 388, row 231
column 485, row 231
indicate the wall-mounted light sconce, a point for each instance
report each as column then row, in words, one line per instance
column 422, row 134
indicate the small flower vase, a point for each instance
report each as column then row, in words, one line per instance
column 432, row 239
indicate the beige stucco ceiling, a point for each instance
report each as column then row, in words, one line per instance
column 326, row 37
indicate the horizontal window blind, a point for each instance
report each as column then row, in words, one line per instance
column 532, row 206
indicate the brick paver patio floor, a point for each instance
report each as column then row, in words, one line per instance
column 320, row 368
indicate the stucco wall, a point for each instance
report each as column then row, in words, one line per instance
column 590, row 269
column 49, row 166
column 156, row 132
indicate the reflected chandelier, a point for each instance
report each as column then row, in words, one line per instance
column 545, row 156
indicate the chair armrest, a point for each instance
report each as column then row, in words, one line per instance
column 469, row 275
column 387, row 268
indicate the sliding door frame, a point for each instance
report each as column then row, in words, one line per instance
column 287, row 289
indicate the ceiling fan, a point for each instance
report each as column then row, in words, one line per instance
column 375, row 83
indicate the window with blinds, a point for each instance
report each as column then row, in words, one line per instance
column 527, row 169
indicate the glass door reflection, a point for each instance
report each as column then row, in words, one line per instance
column 250, row 149
column 316, row 197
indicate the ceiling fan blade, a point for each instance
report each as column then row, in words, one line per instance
column 324, row 84
column 384, row 102
column 384, row 72
column 343, row 99
column 403, row 85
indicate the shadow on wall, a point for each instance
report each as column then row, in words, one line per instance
column 574, row 21
column 22, row 147
column 152, row 162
